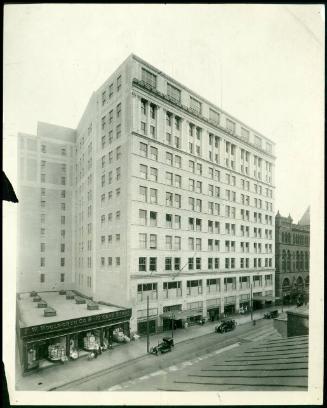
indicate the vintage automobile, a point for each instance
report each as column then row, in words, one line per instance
column 271, row 315
column 225, row 326
column 166, row 345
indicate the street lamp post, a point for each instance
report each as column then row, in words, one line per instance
column 172, row 324
column 251, row 303
column 147, row 325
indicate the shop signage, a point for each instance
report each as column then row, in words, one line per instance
column 72, row 323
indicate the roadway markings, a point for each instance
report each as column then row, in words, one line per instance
column 173, row 368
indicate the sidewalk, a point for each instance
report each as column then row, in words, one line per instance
column 59, row 374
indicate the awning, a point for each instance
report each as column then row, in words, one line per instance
column 181, row 314
column 265, row 298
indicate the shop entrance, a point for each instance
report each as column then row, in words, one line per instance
column 257, row 305
column 229, row 310
column 244, row 307
column 213, row 314
column 142, row 327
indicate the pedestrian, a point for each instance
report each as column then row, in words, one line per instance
column 186, row 325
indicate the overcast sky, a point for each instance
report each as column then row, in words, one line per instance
column 261, row 63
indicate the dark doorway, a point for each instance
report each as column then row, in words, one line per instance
column 142, row 327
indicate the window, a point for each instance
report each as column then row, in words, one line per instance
column 177, row 243
column 143, row 193
column 143, row 171
column 177, row 264
column 153, row 241
column 169, row 178
column 168, row 264
column 62, row 261
column 118, row 131
column 118, row 110
column 168, row 220
column 62, row 247
column 173, row 92
column 111, row 90
column 42, row 262
column 153, row 219
column 153, row 196
column 153, row 264
column 191, row 264
column 142, row 217
column 169, row 242
column 168, row 119
column 230, row 125
column 142, row 264
column 153, row 111
column 245, row 133
column 195, row 105
column 118, row 83
column 153, row 174
column 117, row 261
column 143, row 149
column 143, row 128
column 143, row 241
column 169, row 199
column 143, row 106
column 198, row 263
column 149, row 78
column 152, row 132
column 214, row 116
column 178, row 201
column 169, row 158
column 154, row 153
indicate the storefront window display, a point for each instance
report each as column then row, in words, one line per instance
column 57, row 349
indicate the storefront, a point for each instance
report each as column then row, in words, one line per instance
column 213, row 309
column 143, row 321
column 60, row 337
column 229, row 305
column 261, row 301
column 170, row 317
column 245, row 303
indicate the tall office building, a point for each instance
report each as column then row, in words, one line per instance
column 157, row 194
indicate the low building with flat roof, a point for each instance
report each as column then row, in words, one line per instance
column 58, row 326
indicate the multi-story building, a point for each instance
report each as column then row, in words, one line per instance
column 169, row 198
column 292, row 256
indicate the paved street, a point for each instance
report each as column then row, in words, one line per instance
column 130, row 361
column 182, row 353
column 268, row 364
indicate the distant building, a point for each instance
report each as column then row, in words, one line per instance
column 292, row 251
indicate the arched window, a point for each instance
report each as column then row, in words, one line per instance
column 299, row 283
column 283, row 237
column 288, row 263
column 297, row 260
column 286, row 284
column 307, row 261
column 301, row 261
column 284, row 261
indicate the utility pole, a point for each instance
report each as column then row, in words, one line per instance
column 147, row 325
column 172, row 324
column 251, row 302
column 282, row 301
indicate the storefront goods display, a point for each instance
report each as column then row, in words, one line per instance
column 57, row 352
column 90, row 342
column 120, row 337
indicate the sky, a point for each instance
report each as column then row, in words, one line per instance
column 264, row 64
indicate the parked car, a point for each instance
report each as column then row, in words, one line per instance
column 271, row 315
column 166, row 345
column 225, row 326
